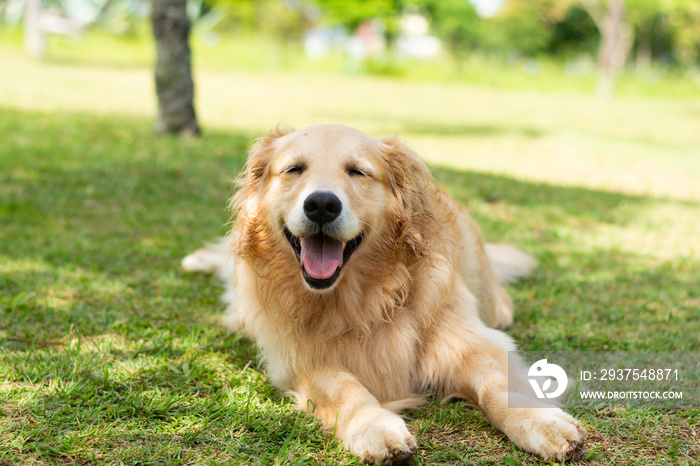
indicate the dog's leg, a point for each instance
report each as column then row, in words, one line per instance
column 546, row 431
column 499, row 264
column 344, row 405
column 473, row 363
column 486, row 268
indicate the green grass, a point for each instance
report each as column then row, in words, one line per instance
column 110, row 354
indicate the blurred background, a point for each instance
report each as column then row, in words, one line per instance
column 601, row 93
column 476, row 41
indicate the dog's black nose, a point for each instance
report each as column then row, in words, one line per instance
column 322, row 207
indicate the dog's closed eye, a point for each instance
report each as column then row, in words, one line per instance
column 356, row 171
column 296, row 169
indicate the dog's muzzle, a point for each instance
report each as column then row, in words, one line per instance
column 319, row 250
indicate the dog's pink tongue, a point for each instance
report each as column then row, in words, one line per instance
column 321, row 256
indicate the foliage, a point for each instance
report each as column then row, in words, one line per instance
column 664, row 30
column 521, row 26
column 272, row 17
column 683, row 22
column 457, row 22
column 352, row 13
column 574, row 34
column 537, row 27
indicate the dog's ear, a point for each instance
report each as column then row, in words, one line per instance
column 260, row 156
column 409, row 182
column 244, row 204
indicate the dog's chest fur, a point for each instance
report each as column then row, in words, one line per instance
column 374, row 333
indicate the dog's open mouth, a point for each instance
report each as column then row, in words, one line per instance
column 321, row 257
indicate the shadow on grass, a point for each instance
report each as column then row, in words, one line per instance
column 569, row 202
column 95, row 214
column 389, row 124
column 464, row 130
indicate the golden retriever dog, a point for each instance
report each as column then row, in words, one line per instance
column 366, row 288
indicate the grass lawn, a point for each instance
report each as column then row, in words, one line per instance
column 110, row 354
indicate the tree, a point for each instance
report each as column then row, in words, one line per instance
column 616, row 38
column 173, row 73
column 683, row 19
column 34, row 35
column 287, row 20
column 574, row 34
column 456, row 22
column 351, row 13
column 526, row 26
column 610, row 17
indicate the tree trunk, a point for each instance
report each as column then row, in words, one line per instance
column 615, row 41
column 174, row 85
column 34, row 35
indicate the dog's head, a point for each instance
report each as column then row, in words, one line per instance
column 331, row 194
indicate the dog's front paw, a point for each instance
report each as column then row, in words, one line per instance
column 378, row 436
column 548, row 432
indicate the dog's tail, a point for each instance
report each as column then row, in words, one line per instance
column 508, row 263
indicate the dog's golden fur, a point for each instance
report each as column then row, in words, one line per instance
column 412, row 312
